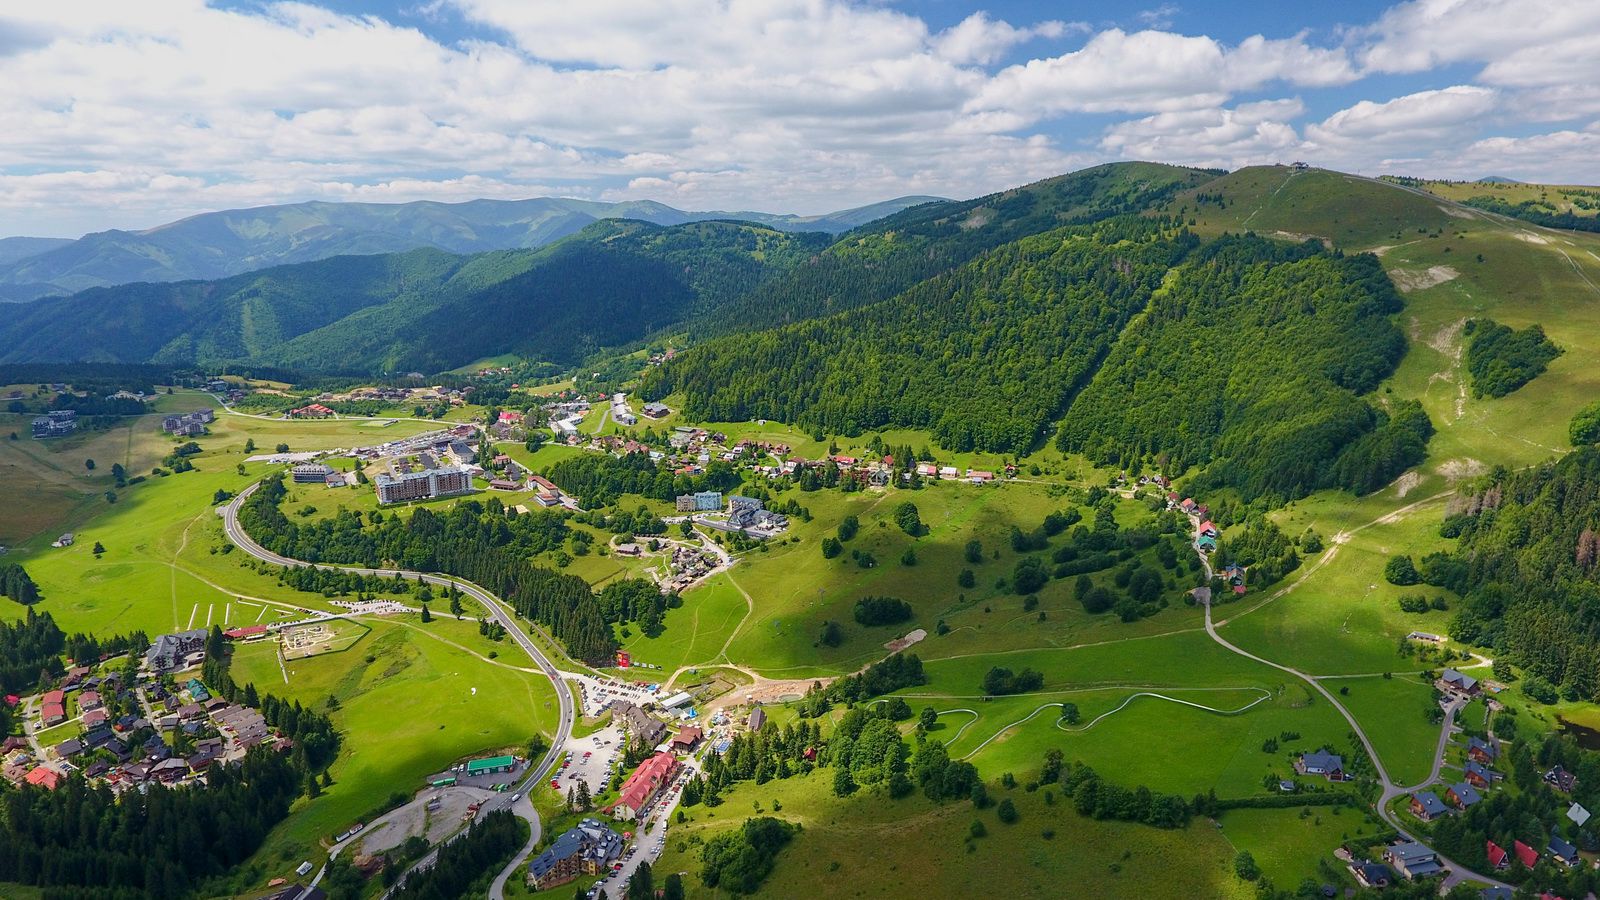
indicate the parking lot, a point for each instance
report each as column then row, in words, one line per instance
column 596, row 693
column 593, row 759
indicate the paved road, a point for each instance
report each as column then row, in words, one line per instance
column 522, row 807
column 1391, row 790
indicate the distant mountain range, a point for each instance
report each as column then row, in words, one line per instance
column 612, row 282
column 222, row 244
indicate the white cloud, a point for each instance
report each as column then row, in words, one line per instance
column 980, row 39
column 1249, row 134
column 1414, row 119
column 1156, row 71
column 123, row 114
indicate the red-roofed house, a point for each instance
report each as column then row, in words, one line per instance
column 1497, row 855
column 248, row 632
column 1527, row 854
column 49, row 779
column 94, row 717
column 52, row 713
column 89, row 700
column 57, row 697
column 644, row 784
column 1208, row 529
column 686, row 738
column 13, row 700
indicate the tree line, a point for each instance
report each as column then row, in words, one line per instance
column 162, row 842
column 481, row 542
column 1500, row 360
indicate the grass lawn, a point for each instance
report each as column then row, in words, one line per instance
column 868, row 846
column 408, row 706
column 1391, row 710
column 1341, row 616
column 1291, row 846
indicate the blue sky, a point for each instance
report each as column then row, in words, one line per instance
column 128, row 115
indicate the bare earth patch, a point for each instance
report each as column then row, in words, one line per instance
column 898, row 644
column 1530, row 237
column 1457, row 469
column 1406, row 483
column 1409, row 280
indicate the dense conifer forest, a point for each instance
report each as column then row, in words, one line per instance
column 985, row 356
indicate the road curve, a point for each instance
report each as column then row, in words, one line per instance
column 523, row 807
column 1390, row 789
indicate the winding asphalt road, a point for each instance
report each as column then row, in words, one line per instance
column 523, row 807
column 1391, row 790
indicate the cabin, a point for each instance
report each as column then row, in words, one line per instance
column 1427, row 806
column 1525, row 854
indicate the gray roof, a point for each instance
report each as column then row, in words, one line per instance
column 1410, row 850
column 1431, row 804
column 1451, row 676
column 1322, row 761
column 1562, row 848
column 1466, row 793
column 1489, row 747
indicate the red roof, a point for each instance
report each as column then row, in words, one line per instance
column 1527, row 854
column 646, row 780
column 1207, row 525
column 235, row 634
column 94, row 717
column 49, row 779
column 54, row 697
column 543, row 482
column 53, row 711
column 687, row 736
column 1496, row 854
column 12, row 699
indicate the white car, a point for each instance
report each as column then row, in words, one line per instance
column 515, row 797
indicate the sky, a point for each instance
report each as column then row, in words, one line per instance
column 117, row 114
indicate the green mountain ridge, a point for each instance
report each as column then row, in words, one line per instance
column 222, row 244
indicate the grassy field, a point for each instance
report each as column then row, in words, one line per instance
column 1290, row 845
column 1556, row 197
column 454, row 705
column 1392, row 712
column 1183, row 749
column 874, row 847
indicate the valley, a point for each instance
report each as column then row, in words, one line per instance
column 1128, row 485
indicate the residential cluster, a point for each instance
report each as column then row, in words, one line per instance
column 120, row 736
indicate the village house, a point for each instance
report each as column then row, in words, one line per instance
column 1371, row 874
column 758, row 718
column 1525, row 854
column 47, row 778
column 686, row 739
column 1453, row 682
column 1412, row 860
column 1462, row 795
column 1563, row 850
column 1482, row 751
column 1498, row 857
column 1478, row 776
column 1321, row 762
column 1561, row 780
column 1427, row 806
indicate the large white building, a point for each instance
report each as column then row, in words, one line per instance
column 440, row 482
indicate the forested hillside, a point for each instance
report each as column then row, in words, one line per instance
column 890, row 255
column 986, row 356
column 1251, row 361
column 612, row 283
column 1528, row 567
column 220, row 244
